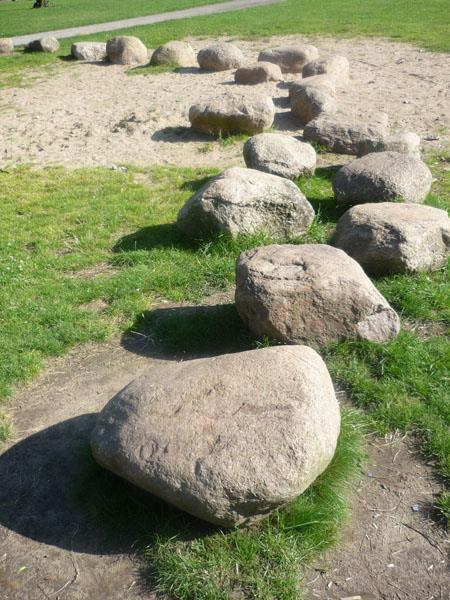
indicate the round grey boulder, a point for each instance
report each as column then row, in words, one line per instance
column 388, row 237
column 220, row 57
column 406, row 142
column 174, row 53
column 46, row 44
column 335, row 66
column 290, row 59
column 258, row 73
column 6, row 46
column 90, row 51
column 280, row 155
column 227, row 439
column 312, row 294
column 245, row 201
column 381, row 177
column 313, row 97
column 126, row 50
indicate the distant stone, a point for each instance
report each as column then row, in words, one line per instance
column 220, row 57
column 406, row 142
column 227, row 439
column 381, row 177
column 246, row 201
column 312, row 97
column 91, row 51
column 335, row 66
column 46, row 44
column 126, row 50
column 6, row 46
column 344, row 135
column 174, row 53
column 229, row 115
column 311, row 293
column 290, row 59
column 279, row 154
column 388, row 237
column 258, row 73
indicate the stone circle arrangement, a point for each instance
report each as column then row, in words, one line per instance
column 231, row 438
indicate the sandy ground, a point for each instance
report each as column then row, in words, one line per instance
column 96, row 114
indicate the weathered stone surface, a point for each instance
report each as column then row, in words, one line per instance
column 47, row 44
column 232, row 114
column 126, row 50
column 279, row 154
column 344, row 135
column 6, row 46
column 311, row 293
column 258, row 73
column 245, row 201
column 91, row 51
column 335, row 66
column 174, row 53
column 220, row 57
column 290, row 59
column 380, row 177
column 405, row 142
column 388, row 237
column 227, row 439
column 313, row 97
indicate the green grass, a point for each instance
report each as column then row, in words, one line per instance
column 442, row 506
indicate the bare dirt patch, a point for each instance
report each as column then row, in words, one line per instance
column 95, row 114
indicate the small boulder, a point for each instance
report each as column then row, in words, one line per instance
column 229, row 115
column 6, row 46
column 174, row 53
column 381, row 177
column 406, row 142
column 313, row 97
column 345, row 135
column 91, row 51
column 279, row 155
column 126, row 50
column 290, row 59
column 245, row 201
column 312, row 294
column 227, row 439
column 47, row 44
column 388, row 237
column 258, row 73
column 220, row 57
column 336, row 67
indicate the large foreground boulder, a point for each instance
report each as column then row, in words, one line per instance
column 227, row 439
column 245, row 201
column 228, row 115
column 345, row 135
column 47, row 44
column 312, row 294
column 6, row 46
column 279, row 154
column 220, row 57
column 290, row 59
column 174, row 53
column 388, row 237
column 258, row 73
column 91, row 51
column 335, row 66
column 380, row 177
column 313, row 97
column 126, row 50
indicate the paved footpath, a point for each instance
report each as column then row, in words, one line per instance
column 149, row 20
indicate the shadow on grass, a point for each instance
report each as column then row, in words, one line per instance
column 317, row 190
column 166, row 235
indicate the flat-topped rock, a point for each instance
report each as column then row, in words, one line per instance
column 312, row 293
column 90, row 51
column 335, row 66
column 232, row 114
column 246, row 201
column 381, row 177
column 290, row 59
column 227, row 439
column 6, row 46
column 220, row 57
column 174, row 53
column 126, row 50
column 47, row 44
column 258, row 73
column 406, row 142
column 279, row 154
column 389, row 237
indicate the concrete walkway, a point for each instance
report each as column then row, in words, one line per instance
column 149, row 20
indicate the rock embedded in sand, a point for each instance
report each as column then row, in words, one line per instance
column 258, row 73
column 174, row 53
column 227, row 115
column 6, row 46
column 312, row 294
column 406, row 142
column 335, row 66
column 280, row 155
column 290, row 59
column 126, row 50
column 390, row 237
column 91, row 51
column 220, row 57
column 312, row 97
column 227, row 439
column 46, row 44
column 245, row 201
column 381, row 177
